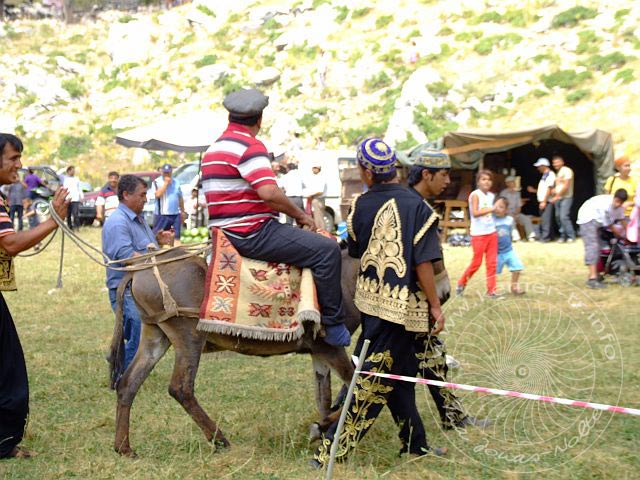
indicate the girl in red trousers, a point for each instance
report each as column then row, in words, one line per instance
column 484, row 239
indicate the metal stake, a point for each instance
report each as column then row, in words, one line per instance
column 345, row 408
column 59, row 285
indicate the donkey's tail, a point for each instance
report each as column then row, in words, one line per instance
column 116, row 353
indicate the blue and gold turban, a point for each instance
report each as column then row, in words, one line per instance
column 376, row 156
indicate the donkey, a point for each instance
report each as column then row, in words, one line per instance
column 185, row 281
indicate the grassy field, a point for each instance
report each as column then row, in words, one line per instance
column 560, row 339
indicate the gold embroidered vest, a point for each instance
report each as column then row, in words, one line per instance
column 392, row 230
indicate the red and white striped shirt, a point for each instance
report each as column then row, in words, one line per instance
column 232, row 170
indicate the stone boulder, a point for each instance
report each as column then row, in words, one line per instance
column 266, row 77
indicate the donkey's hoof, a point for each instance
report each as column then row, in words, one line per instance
column 127, row 452
column 314, row 432
column 220, row 444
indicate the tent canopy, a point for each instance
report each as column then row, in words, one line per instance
column 193, row 132
column 467, row 149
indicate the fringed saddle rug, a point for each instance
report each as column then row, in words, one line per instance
column 255, row 299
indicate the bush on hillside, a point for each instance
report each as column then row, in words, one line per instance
column 383, row 21
column 293, row 91
column 573, row 16
column 468, row 36
column 206, row 10
column 72, row 146
column 485, row 46
column 343, row 12
column 437, row 123
column 626, row 75
column 439, row 88
column 518, row 18
column 74, row 87
column 376, row 82
column 414, row 33
column 445, row 31
column 360, row 12
column 565, row 79
column 575, row 97
column 606, row 63
column 588, row 42
column 209, row 59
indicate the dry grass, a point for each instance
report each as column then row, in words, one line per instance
column 265, row 405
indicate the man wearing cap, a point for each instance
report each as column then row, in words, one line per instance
column 315, row 189
column 169, row 211
column 544, row 194
column 428, row 177
column 514, row 207
column 394, row 233
column 244, row 201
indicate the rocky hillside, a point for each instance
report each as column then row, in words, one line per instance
column 336, row 70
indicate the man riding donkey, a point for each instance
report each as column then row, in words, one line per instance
column 428, row 178
column 394, row 233
column 244, row 201
column 14, row 384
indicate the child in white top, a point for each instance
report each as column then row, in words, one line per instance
column 484, row 239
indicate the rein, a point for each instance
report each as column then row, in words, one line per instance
column 131, row 264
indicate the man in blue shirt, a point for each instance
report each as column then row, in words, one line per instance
column 169, row 212
column 125, row 234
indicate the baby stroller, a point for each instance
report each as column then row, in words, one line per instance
column 620, row 258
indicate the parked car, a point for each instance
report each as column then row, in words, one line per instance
column 88, row 207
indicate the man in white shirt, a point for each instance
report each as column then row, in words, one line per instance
column 72, row 184
column 292, row 185
column 544, row 193
column 601, row 211
column 315, row 189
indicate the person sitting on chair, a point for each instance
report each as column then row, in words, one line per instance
column 244, row 201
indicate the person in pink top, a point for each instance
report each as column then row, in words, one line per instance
column 484, row 239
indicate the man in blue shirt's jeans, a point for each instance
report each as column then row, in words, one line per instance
column 125, row 234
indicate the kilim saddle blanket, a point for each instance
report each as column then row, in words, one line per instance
column 255, row 299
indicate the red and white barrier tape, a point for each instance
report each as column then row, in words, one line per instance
column 507, row 393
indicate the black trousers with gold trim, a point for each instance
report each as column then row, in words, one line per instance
column 392, row 350
column 431, row 354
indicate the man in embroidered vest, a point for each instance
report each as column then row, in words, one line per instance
column 14, row 384
column 428, row 178
column 244, row 201
column 394, row 234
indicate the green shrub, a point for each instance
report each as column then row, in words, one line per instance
column 343, row 12
column 304, row 51
column 625, row 75
column 74, row 87
column 468, row 36
column 72, row 146
column 620, row 14
column 436, row 123
column 575, row 97
column 392, row 57
column 606, row 63
column 408, row 143
column 588, row 42
column 309, row 120
column 539, row 93
column 519, row 18
column 209, row 59
column 376, row 82
column 360, row 12
column 439, row 88
column 206, row 10
column 126, row 19
column 490, row 17
column 317, row 3
column 565, row 79
column 271, row 24
column 383, row 21
column 293, row 91
column 485, row 46
column 234, row 18
column 445, row 31
column 414, row 33
column 354, row 135
column 573, row 16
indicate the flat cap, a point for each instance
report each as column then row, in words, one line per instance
column 246, row 102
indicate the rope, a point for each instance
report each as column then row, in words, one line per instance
column 41, row 249
column 85, row 247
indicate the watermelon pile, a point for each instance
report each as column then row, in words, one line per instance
column 194, row 235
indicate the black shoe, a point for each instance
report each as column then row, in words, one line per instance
column 595, row 284
column 474, row 422
column 422, row 451
column 315, row 464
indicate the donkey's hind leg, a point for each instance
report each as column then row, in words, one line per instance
column 188, row 344
column 153, row 345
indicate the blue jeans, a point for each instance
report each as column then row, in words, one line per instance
column 565, row 225
column 131, row 320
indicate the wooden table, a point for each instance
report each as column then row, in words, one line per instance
column 447, row 222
